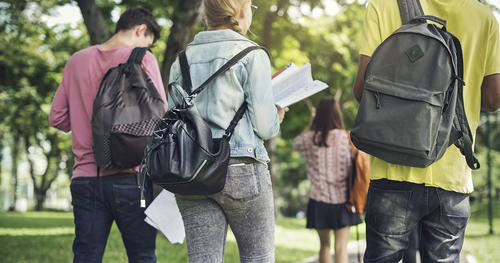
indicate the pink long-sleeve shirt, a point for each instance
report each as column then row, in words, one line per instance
column 72, row 105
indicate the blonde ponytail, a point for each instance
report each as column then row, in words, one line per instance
column 223, row 13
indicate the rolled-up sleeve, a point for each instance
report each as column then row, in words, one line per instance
column 59, row 113
column 259, row 96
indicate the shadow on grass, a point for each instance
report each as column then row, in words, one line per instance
column 40, row 249
column 33, row 220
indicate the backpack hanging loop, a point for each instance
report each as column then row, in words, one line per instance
column 423, row 19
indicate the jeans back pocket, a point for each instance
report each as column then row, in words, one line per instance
column 241, row 181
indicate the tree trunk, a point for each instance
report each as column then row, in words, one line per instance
column 40, row 199
column 186, row 16
column 45, row 181
column 2, row 135
column 94, row 21
column 14, row 157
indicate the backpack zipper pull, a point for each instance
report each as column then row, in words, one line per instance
column 378, row 105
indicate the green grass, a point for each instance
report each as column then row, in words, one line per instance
column 484, row 247
column 48, row 236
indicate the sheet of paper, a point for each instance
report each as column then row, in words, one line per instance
column 164, row 215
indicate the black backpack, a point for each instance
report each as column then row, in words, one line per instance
column 412, row 106
column 182, row 156
column 126, row 110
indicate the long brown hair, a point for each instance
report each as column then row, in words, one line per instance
column 328, row 117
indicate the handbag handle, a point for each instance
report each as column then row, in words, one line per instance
column 181, row 91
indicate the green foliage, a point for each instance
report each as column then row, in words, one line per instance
column 480, row 177
column 32, row 58
column 330, row 44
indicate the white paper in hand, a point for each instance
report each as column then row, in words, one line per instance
column 164, row 215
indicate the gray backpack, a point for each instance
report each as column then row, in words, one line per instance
column 412, row 106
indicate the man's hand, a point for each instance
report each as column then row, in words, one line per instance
column 281, row 113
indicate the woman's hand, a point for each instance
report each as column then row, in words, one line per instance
column 281, row 113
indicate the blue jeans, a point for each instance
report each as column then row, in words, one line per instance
column 394, row 209
column 96, row 208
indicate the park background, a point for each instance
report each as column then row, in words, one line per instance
column 38, row 37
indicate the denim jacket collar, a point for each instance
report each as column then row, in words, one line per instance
column 211, row 36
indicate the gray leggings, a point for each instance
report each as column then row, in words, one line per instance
column 245, row 203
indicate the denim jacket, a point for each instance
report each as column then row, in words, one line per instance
column 249, row 80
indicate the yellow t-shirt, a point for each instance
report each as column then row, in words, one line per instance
column 477, row 29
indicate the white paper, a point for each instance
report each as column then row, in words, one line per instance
column 295, row 84
column 164, row 215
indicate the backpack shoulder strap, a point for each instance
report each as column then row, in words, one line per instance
column 409, row 9
column 186, row 74
column 464, row 142
column 237, row 117
column 227, row 66
column 137, row 55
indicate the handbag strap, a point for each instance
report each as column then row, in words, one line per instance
column 186, row 75
column 409, row 9
column 237, row 117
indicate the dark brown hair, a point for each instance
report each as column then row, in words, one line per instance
column 328, row 117
column 138, row 16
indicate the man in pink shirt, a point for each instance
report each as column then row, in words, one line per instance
column 116, row 197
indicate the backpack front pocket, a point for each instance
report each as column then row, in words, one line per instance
column 127, row 150
column 399, row 117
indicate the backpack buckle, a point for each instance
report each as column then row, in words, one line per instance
column 460, row 80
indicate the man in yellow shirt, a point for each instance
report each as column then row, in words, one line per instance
column 402, row 197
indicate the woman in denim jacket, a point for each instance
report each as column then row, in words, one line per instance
column 246, row 202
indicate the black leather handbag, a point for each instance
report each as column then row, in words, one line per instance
column 182, row 157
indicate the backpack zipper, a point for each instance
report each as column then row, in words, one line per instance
column 377, row 99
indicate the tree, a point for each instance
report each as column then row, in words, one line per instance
column 43, row 181
column 186, row 17
column 30, row 55
column 94, row 21
column 15, row 159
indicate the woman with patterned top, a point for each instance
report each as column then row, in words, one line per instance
column 325, row 147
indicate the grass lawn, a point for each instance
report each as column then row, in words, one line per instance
column 484, row 247
column 48, row 236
